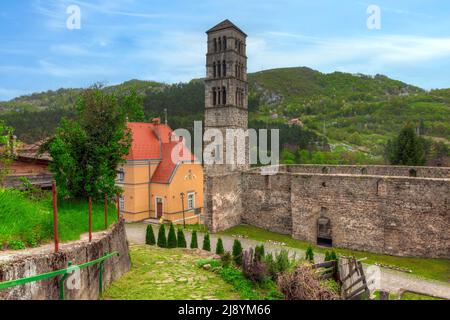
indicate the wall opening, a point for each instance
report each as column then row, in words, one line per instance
column 413, row 173
column 324, row 235
column 325, row 242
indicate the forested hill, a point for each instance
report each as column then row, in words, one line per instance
column 357, row 111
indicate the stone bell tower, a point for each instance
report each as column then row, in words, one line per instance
column 226, row 96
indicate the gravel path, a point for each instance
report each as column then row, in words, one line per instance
column 392, row 281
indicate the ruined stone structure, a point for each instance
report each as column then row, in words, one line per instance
column 393, row 210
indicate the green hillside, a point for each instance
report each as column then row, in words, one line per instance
column 339, row 112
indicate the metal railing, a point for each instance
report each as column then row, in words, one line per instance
column 65, row 274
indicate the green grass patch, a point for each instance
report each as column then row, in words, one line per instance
column 168, row 274
column 437, row 269
column 417, row 296
column 25, row 222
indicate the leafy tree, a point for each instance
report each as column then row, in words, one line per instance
column 407, row 149
column 133, row 105
column 162, row 241
column 194, row 241
column 87, row 151
column 172, row 238
column 150, row 236
column 6, row 150
column 237, row 252
column 206, row 243
column 181, row 240
column 309, row 255
column 219, row 247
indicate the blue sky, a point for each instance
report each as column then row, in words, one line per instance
column 165, row 40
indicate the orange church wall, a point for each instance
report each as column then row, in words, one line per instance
column 140, row 195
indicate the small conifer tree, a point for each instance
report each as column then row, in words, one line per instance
column 150, row 236
column 259, row 253
column 172, row 238
column 181, row 240
column 162, row 241
column 206, row 243
column 237, row 252
column 194, row 241
column 219, row 247
column 309, row 254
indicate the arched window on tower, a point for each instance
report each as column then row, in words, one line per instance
column 224, row 65
column 215, row 45
column 215, row 71
column 224, row 96
column 219, row 96
column 214, row 96
column 219, row 40
column 219, row 70
column 224, row 43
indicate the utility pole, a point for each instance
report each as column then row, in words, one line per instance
column 165, row 115
column 182, row 206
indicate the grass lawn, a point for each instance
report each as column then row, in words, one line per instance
column 415, row 296
column 25, row 222
column 168, row 274
column 437, row 269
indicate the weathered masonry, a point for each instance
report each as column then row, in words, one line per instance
column 377, row 209
column 393, row 210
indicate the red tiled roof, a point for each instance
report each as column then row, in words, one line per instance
column 226, row 24
column 145, row 144
column 152, row 142
column 167, row 166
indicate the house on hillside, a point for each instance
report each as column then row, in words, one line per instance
column 155, row 186
column 31, row 164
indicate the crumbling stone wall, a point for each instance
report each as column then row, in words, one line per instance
column 22, row 265
column 223, row 201
column 380, row 209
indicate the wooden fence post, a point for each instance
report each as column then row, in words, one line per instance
column 90, row 219
column 55, row 217
column 106, row 211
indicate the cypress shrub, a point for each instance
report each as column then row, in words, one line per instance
column 237, row 252
column 172, row 239
column 194, row 241
column 206, row 243
column 259, row 253
column 162, row 241
column 150, row 236
column 181, row 240
column 309, row 254
column 219, row 247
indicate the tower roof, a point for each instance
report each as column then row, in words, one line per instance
column 225, row 24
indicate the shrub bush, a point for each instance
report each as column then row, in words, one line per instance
column 226, row 259
column 259, row 253
column 237, row 252
column 304, row 284
column 206, row 243
column 194, row 241
column 275, row 266
column 219, row 247
column 253, row 268
column 181, row 240
column 172, row 238
column 309, row 256
column 162, row 241
column 150, row 236
column 16, row 245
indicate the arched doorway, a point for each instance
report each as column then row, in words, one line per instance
column 324, row 235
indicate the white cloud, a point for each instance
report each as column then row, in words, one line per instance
column 374, row 53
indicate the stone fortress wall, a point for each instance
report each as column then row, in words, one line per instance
column 43, row 260
column 402, row 211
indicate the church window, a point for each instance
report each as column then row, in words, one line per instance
column 224, row 65
column 215, row 45
column 224, row 43
column 224, row 96
column 214, row 96
column 215, row 70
